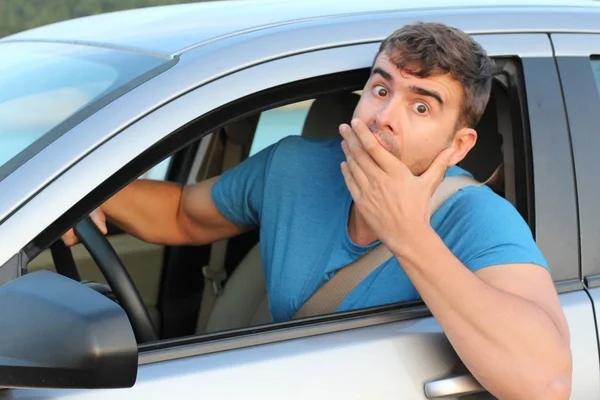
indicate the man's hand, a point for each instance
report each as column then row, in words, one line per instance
column 392, row 200
column 70, row 239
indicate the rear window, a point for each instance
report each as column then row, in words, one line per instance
column 596, row 68
column 43, row 84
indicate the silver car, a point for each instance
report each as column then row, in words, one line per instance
column 182, row 93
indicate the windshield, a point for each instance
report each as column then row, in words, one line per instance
column 43, row 84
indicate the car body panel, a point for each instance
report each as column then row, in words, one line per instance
column 581, row 94
column 383, row 361
column 173, row 29
column 581, row 87
column 556, row 219
column 595, row 297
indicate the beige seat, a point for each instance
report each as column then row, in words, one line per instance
column 244, row 299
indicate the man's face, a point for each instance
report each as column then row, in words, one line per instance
column 413, row 118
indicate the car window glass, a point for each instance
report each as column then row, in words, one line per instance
column 277, row 123
column 158, row 172
column 43, row 84
column 596, row 69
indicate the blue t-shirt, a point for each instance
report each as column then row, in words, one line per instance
column 295, row 191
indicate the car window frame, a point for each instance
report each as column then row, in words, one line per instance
column 574, row 53
column 527, row 47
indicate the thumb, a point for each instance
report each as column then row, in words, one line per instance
column 69, row 238
column 99, row 219
column 436, row 171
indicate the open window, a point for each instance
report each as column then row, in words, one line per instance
column 186, row 302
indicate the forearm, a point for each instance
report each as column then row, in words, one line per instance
column 511, row 345
column 147, row 210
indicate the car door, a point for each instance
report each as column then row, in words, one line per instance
column 390, row 352
column 578, row 61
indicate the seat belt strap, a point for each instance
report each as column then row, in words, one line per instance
column 328, row 298
column 215, row 273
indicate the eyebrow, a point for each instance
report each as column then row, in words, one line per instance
column 429, row 93
column 384, row 74
column 415, row 89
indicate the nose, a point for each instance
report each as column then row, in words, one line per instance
column 386, row 117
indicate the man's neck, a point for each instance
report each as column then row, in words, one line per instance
column 358, row 229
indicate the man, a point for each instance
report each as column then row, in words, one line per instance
column 322, row 204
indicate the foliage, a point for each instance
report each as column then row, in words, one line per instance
column 19, row 15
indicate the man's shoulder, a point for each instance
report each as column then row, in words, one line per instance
column 303, row 145
column 476, row 205
column 483, row 228
column 478, row 201
column 299, row 153
column 478, row 214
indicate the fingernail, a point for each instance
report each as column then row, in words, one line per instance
column 355, row 122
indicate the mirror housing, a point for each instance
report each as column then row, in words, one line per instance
column 59, row 334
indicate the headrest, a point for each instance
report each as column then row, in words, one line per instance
column 484, row 158
column 327, row 113
column 242, row 131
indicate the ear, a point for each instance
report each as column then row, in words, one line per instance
column 463, row 142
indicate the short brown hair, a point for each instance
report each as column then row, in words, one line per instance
column 437, row 49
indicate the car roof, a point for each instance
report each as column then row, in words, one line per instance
column 168, row 30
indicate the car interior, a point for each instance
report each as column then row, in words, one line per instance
column 193, row 290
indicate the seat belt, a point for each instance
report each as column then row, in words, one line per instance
column 215, row 273
column 328, row 298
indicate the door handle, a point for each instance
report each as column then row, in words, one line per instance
column 453, row 386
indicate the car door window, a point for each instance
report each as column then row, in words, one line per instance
column 158, row 172
column 275, row 124
column 595, row 60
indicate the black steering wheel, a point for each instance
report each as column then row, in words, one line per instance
column 118, row 279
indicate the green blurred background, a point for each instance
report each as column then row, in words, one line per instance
column 19, row 15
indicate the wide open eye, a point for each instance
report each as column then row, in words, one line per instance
column 380, row 91
column 420, row 108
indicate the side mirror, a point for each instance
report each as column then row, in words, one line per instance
column 59, row 334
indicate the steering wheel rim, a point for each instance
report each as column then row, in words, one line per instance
column 117, row 278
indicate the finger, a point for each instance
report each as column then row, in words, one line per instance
column 99, row 220
column 350, row 182
column 386, row 160
column 69, row 238
column 355, row 147
column 355, row 168
column 436, row 171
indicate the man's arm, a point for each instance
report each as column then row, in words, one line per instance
column 505, row 322
column 165, row 213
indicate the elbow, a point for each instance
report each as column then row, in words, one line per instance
column 557, row 389
column 556, row 385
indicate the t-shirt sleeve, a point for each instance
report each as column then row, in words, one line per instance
column 484, row 229
column 238, row 194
